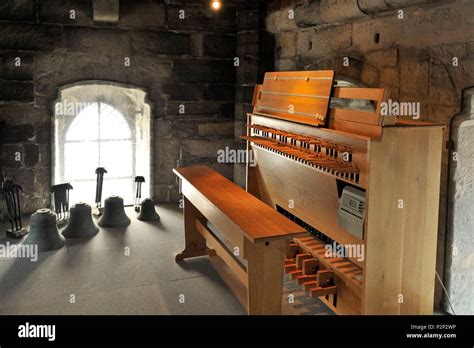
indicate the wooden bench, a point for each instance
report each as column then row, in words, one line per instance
column 252, row 233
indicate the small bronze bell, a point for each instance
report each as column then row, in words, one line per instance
column 114, row 213
column 44, row 231
column 80, row 223
column 147, row 211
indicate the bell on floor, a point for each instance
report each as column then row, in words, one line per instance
column 44, row 231
column 147, row 211
column 80, row 223
column 114, row 213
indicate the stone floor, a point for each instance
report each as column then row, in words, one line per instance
column 95, row 276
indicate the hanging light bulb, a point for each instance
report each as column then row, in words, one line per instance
column 216, row 5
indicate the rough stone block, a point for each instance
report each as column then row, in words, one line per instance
column 219, row 92
column 339, row 11
column 17, row 133
column 241, row 111
column 31, row 154
column 248, row 37
column 470, row 49
column 247, row 19
column 286, row 65
column 23, row 36
column 321, row 42
column 149, row 68
column 286, row 45
column 9, row 156
column 215, row 129
column 444, row 54
column 441, row 89
column 433, row 25
column 183, row 128
column 222, row 46
column 155, row 42
column 184, row 92
column 25, row 178
column 198, row 108
column 249, row 51
column 165, row 170
column 197, row 44
column 105, row 41
column 244, row 94
column 53, row 11
column 389, row 76
column 204, row 148
column 16, row 91
column 383, row 58
column 162, row 129
column 106, row 11
column 213, row 71
column 29, row 114
column 414, row 76
column 166, row 150
column 280, row 21
column 201, row 18
column 18, row 10
column 160, row 193
column 369, row 75
column 247, row 73
column 142, row 14
column 227, row 110
column 17, row 66
column 240, row 128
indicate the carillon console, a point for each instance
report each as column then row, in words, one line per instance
column 365, row 186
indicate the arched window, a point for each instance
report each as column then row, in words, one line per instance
column 106, row 126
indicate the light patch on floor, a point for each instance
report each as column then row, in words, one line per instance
column 98, row 275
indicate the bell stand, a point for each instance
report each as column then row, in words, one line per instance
column 98, row 210
column 12, row 198
column 138, row 192
column 61, row 202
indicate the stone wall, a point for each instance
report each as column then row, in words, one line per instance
column 255, row 52
column 177, row 61
column 460, row 236
column 418, row 50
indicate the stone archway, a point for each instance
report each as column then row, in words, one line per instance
column 459, row 265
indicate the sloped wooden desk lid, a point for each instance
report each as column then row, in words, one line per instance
column 257, row 220
column 300, row 96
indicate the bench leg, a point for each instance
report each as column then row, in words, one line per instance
column 195, row 244
column 265, row 276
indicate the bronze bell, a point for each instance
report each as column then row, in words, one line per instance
column 44, row 231
column 114, row 213
column 80, row 222
column 147, row 211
